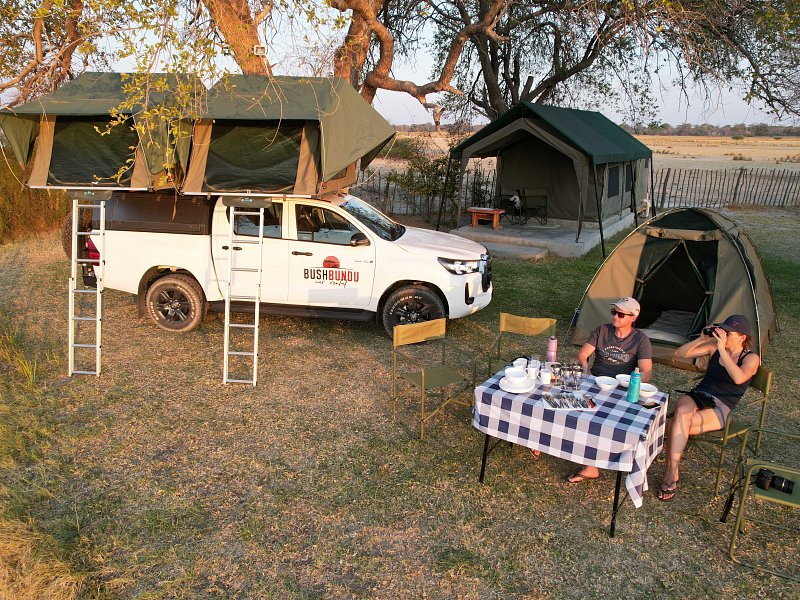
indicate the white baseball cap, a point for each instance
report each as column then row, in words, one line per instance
column 628, row 305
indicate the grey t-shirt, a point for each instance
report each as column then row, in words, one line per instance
column 615, row 356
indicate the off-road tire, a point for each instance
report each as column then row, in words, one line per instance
column 411, row 304
column 66, row 233
column 176, row 303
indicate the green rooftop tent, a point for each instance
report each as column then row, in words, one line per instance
column 687, row 267
column 583, row 163
column 279, row 135
column 77, row 148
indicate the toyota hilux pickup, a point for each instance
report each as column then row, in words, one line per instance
column 336, row 256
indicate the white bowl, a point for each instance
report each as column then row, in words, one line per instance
column 646, row 390
column 605, row 383
column 516, row 376
column 624, row 380
column 520, row 363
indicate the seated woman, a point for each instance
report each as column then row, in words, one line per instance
column 705, row 408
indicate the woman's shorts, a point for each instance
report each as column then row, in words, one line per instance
column 706, row 400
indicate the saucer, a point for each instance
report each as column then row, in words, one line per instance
column 526, row 386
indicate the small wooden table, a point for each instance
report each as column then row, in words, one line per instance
column 486, row 214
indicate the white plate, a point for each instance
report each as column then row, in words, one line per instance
column 526, row 386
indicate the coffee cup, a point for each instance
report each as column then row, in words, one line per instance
column 545, row 375
column 533, row 371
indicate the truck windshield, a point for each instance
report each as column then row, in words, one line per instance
column 374, row 219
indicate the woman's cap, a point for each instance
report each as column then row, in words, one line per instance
column 737, row 323
column 628, row 305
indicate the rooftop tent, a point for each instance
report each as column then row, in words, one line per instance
column 76, row 146
column 687, row 267
column 273, row 135
column 582, row 160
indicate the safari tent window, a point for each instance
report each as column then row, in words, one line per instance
column 83, row 153
column 249, row 155
column 613, row 181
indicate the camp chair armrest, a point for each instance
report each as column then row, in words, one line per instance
column 754, row 467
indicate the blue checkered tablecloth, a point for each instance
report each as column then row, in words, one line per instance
column 619, row 435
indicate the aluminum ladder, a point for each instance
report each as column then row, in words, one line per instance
column 235, row 244
column 95, row 294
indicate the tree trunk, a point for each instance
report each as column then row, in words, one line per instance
column 236, row 24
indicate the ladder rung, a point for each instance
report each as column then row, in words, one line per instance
column 88, row 206
column 240, row 298
column 90, row 291
column 250, row 381
column 84, row 372
column 247, row 212
column 83, row 261
column 242, row 325
column 238, row 353
column 246, row 242
column 84, row 345
column 87, row 233
column 243, row 270
column 84, row 318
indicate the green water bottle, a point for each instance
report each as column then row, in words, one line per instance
column 634, row 385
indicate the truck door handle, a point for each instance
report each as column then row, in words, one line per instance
column 235, row 247
column 296, row 253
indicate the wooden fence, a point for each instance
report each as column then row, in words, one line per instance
column 715, row 188
column 726, row 187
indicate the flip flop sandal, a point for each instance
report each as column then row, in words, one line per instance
column 667, row 493
column 576, row 478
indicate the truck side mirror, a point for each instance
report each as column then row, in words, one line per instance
column 359, row 239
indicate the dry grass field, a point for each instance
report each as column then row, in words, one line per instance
column 157, row 481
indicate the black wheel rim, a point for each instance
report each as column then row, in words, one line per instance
column 173, row 307
column 413, row 311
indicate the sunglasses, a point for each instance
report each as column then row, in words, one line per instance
column 616, row 313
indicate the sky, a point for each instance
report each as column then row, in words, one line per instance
column 726, row 108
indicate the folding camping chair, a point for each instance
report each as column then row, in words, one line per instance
column 427, row 378
column 752, row 487
column 516, row 325
column 711, row 442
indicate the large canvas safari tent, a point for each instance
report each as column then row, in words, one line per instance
column 579, row 161
column 82, row 136
column 687, row 267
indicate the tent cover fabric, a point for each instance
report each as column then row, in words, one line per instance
column 572, row 155
column 687, row 268
column 77, row 146
column 267, row 135
column 260, row 135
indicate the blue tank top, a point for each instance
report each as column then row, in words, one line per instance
column 717, row 381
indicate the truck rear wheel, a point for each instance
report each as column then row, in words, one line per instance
column 411, row 304
column 176, row 303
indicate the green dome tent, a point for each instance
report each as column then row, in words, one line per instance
column 687, row 267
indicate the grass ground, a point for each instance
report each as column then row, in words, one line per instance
column 156, row 481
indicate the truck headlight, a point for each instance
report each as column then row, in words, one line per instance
column 460, row 267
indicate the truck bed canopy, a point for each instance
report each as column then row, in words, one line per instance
column 271, row 135
column 85, row 136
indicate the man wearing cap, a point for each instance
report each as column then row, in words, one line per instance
column 618, row 349
column 731, row 367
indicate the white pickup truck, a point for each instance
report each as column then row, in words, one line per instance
column 332, row 257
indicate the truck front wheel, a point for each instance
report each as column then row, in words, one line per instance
column 411, row 304
column 176, row 303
